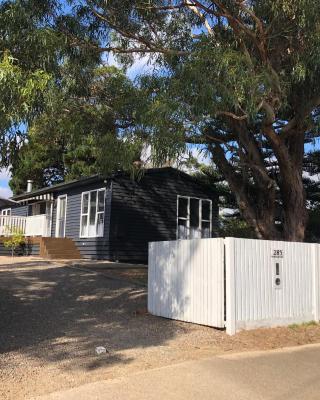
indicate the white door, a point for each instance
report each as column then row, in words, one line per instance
column 61, row 216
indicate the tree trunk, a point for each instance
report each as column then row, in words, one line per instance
column 294, row 208
column 257, row 210
column 292, row 189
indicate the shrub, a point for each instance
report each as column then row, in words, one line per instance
column 15, row 240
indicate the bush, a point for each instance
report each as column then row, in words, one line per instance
column 15, row 240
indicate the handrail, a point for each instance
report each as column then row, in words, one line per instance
column 35, row 225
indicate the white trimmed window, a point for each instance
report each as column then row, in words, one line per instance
column 92, row 213
column 6, row 211
column 194, row 218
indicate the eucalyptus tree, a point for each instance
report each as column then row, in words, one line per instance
column 76, row 134
column 34, row 58
column 240, row 77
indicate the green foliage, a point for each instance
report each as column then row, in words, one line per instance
column 235, row 227
column 15, row 239
column 20, row 92
column 303, row 325
column 238, row 78
column 81, row 131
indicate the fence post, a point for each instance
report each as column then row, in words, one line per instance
column 315, row 280
column 230, row 286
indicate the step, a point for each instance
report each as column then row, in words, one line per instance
column 62, row 248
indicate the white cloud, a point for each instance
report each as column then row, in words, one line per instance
column 141, row 65
column 5, row 192
column 314, row 178
column 109, row 59
column 4, row 175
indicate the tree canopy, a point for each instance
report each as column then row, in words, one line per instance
column 237, row 78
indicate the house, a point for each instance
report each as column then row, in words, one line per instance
column 111, row 218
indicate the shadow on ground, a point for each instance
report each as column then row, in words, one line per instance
column 56, row 314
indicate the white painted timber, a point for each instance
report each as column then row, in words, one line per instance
column 37, row 225
column 267, row 283
column 316, row 282
column 186, row 280
column 10, row 224
column 270, row 283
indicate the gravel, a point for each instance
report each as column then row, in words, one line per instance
column 52, row 318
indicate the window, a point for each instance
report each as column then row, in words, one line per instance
column 6, row 211
column 37, row 208
column 193, row 218
column 92, row 213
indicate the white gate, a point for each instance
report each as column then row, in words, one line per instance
column 186, row 280
column 267, row 283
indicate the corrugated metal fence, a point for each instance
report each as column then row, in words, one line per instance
column 267, row 283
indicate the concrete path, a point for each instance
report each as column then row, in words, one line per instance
column 281, row 374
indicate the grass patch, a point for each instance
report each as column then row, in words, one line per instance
column 303, row 325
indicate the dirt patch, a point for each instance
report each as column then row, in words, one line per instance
column 52, row 318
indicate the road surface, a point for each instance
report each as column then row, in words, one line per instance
column 292, row 373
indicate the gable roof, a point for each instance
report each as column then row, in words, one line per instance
column 96, row 178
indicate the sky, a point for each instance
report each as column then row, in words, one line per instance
column 5, row 191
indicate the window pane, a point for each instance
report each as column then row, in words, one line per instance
column 93, row 207
column 100, row 224
column 85, row 200
column 84, row 225
column 101, row 200
column 42, row 208
column 206, row 205
column 62, row 207
column 206, row 230
column 182, row 229
column 194, row 213
column 183, row 207
column 92, row 213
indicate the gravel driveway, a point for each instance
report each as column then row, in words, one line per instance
column 52, row 317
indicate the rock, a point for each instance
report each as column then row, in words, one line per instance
column 100, row 350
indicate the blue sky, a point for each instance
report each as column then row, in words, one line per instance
column 4, row 186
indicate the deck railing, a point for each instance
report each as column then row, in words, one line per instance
column 36, row 225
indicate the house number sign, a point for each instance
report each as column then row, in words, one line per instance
column 277, row 254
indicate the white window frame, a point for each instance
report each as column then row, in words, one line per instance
column 65, row 215
column 201, row 220
column 88, row 213
column 5, row 211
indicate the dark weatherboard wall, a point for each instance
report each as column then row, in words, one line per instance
column 136, row 212
column 146, row 211
column 95, row 248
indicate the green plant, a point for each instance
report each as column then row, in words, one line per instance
column 303, row 325
column 15, row 239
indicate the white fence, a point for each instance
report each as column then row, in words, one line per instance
column 36, row 225
column 267, row 283
column 10, row 224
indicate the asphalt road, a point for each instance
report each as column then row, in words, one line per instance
column 292, row 373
